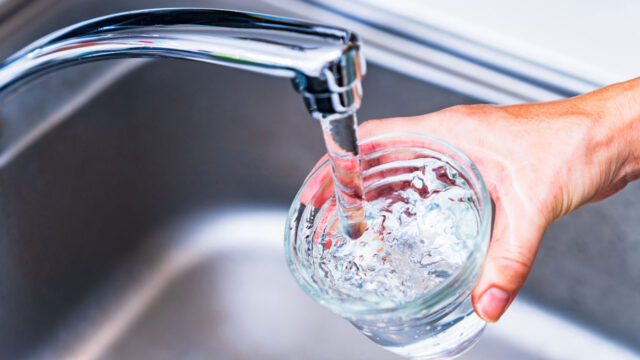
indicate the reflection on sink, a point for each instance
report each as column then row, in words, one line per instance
column 220, row 289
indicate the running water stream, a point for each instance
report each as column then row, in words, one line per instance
column 341, row 139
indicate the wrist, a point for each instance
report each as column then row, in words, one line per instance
column 616, row 125
column 626, row 127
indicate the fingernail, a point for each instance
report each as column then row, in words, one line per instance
column 492, row 304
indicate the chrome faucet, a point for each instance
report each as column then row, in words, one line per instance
column 324, row 62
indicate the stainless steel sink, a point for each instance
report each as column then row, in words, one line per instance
column 215, row 286
column 144, row 217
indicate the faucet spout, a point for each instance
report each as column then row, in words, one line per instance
column 324, row 62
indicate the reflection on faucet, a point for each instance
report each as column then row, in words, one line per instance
column 324, row 62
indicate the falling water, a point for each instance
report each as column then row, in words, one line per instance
column 341, row 139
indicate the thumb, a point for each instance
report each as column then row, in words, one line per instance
column 511, row 253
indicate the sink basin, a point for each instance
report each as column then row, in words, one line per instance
column 144, row 219
column 219, row 288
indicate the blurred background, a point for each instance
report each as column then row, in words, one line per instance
column 143, row 201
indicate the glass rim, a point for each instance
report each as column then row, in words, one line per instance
column 434, row 298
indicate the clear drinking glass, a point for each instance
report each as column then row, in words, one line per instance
column 439, row 323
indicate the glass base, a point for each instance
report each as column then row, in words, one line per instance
column 448, row 344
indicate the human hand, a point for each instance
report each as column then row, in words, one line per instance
column 540, row 162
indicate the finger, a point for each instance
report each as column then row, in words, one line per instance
column 509, row 260
column 319, row 185
column 317, row 165
column 380, row 165
column 372, row 128
column 406, row 148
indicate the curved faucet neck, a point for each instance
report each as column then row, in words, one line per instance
column 324, row 62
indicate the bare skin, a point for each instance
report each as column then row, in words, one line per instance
column 540, row 162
